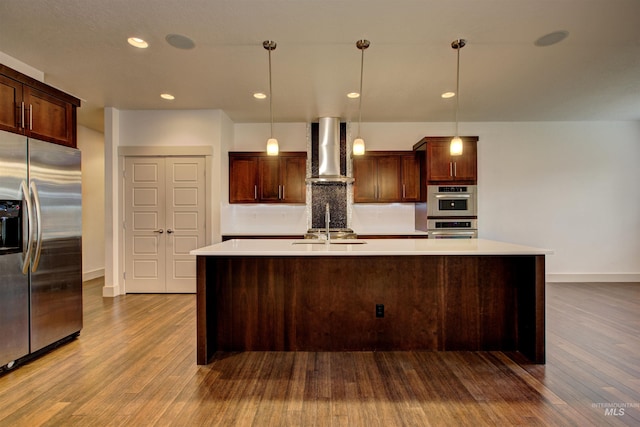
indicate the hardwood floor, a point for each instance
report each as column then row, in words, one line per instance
column 135, row 364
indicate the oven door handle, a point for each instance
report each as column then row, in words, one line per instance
column 453, row 196
column 453, row 233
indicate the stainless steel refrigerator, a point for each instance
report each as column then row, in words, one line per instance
column 40, row 246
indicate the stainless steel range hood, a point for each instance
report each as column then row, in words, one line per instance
column 329, row 152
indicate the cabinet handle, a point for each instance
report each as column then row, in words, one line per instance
column 160, row 231
column 450, row 168
column 283, row 192
column 404, row 191
column 455, row 168
column 169, row 231
column 255, row 192
column 30, row 117
column 22, row 115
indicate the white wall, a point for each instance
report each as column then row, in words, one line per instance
column 570, row 187
column 155, row 130
column 91, row 144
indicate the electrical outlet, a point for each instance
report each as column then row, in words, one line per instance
column 379, row 310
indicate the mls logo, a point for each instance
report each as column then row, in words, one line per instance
column 616, row 412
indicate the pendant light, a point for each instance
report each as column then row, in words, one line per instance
column 272, row 143
column 358, row 143
column 455, row 148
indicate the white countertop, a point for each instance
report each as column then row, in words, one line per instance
column 301, row 233
column 365, row 247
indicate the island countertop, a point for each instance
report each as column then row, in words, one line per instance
column 366, row 247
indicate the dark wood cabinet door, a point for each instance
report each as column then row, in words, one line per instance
column 49, row 118
column 411, row 178
column 443, row 167
column 255, row 177
column 10, row 104
column 293, row 171
column 439, row 166
column 389, row 186
column 243, row 179
column 35, row 109
column 269, row 187
column 365, row 176
column 465, row 166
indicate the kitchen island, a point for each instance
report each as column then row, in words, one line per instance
column 404, row 294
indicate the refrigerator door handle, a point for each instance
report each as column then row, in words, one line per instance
column 38, row 248
column 27, row 254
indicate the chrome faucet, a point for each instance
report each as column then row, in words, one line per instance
column 327, row 221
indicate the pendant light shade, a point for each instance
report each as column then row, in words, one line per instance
column 358, row 147
column 272, row 147
column 358, row 143
column 455, row 148
column 272, row 143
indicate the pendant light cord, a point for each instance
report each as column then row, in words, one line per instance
column 360, row 100
column 458, row 86
column 270, row 94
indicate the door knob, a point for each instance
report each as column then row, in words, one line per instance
column 159, row 231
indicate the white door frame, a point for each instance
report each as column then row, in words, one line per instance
column 161, row 151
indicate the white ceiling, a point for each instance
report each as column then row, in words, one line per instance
column 81, row 47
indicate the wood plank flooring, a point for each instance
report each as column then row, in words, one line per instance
column 134, row 364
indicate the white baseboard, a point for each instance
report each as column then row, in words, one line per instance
column 111, row 291
column 592, row 277
column 93, row 274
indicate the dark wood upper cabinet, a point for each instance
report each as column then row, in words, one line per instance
column 411, row 190
column 443, row 168
column 293, row 172
column 365, row 174
column 10, row 104
column 386, row 177
column 243, row 179
column 34, row 109
column 255, row 177
column 269, row 179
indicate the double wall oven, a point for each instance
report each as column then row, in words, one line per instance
column 452, row 211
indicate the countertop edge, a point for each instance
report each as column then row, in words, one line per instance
column 367, row 247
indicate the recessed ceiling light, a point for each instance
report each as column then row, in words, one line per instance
column 353, row 95
column 180, row 42
column 448, row 95
column 137, row 42
column 259, row 95
column 167, row 96
column 551, row 38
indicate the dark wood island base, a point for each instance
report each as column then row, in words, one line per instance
column 331, row 303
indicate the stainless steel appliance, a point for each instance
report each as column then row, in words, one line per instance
column 41, row 256
column 451, row 201
column 454, row 228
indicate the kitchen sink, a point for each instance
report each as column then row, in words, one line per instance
column 336, row 234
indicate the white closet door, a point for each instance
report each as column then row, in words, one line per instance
column 164, row 220
column 185, row 220
column 145, row 234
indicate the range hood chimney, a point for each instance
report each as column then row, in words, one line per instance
column 329, row 152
